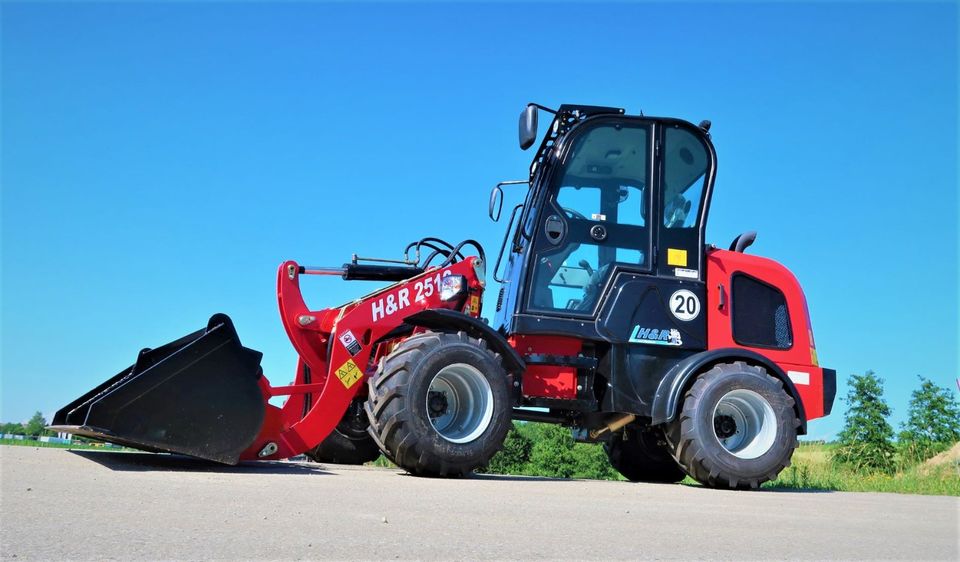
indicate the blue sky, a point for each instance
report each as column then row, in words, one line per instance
column 160, row 160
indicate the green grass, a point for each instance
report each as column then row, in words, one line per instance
column 812, row 469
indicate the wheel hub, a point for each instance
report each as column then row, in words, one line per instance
column 745, row 424
column 725, row 426
column 459, row 403
column 437, row 403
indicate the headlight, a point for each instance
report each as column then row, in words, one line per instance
column 452, row 286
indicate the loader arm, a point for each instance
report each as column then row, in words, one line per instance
column 339, row 348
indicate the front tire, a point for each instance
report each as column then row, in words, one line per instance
column 439, row 404
column 737, row 427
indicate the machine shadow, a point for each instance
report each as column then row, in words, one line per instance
column 160, row 462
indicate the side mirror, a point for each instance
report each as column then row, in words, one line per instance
column 528, row 126
column 496, row 203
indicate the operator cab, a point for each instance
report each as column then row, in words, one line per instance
column 614, row 199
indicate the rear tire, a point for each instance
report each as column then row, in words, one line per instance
column 637, row 455
column 439, row 404
column 737, row 427
column 349, row 443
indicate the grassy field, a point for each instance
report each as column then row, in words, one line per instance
column 813, row 470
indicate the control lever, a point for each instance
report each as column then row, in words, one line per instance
column 585, row 265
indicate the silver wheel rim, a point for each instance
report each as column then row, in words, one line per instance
column 754, row 423
column 468, row 400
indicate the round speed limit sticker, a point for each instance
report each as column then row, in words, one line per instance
column 684, row 305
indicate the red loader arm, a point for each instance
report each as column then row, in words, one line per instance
column 340, row 347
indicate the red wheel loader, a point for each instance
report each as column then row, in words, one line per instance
column 612, row 317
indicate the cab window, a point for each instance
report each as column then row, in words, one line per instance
column 603, row 184
column 685, row 168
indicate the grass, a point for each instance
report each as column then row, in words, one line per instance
column 812, row 469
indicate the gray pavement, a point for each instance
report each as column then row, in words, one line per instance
column 58, row 504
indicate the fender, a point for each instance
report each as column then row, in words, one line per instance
column 442, row 320
column 672, row 386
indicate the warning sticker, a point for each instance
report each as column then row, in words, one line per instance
column 349, row 373
column 474, row 304
column 676, row 257
column 350, row 342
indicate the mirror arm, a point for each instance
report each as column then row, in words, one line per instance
column 544, row 108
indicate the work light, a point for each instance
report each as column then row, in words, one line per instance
column 452, row 286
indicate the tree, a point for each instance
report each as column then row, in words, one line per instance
column 36, row 427
column 13, row 428
column 537, row 449
column 866, row 439
column 591, row 461
column 552, row 453
column 515, row 454
column 933, row 423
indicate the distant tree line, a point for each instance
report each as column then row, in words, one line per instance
column 35, row 427
column 867, row 439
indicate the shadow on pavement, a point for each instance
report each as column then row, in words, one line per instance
column 156, row 462
column 781, row 490
column 516, row 478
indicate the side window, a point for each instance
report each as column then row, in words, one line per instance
column 580, row 202
column 684, row 171
column 587, row 202
column 632, row 205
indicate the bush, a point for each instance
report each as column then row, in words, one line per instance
column 548, row 450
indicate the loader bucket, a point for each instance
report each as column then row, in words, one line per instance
column 197, row 396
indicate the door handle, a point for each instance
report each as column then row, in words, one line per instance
column 554, row 228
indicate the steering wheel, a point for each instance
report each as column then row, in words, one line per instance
column 574, row 214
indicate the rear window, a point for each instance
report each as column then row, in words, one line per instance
column 760, row 315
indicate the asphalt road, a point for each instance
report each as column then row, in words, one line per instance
column 59, row 504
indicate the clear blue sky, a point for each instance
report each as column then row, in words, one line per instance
column 160, row 160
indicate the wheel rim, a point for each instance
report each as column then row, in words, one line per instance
column 745, row 424
column 460, row 403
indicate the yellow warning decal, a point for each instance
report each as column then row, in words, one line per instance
column 349, row 373
column 676, row 257
column 474, row 304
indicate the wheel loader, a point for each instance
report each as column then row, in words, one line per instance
column 611, row 316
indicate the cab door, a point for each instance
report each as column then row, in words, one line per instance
column 595, row 219
column 664, row 314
